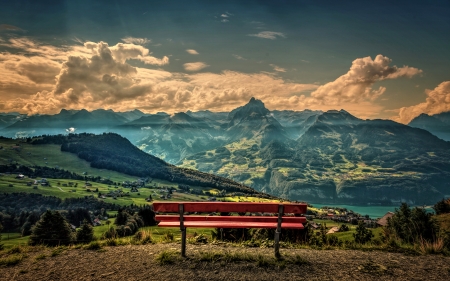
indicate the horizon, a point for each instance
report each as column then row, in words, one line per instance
column 374, row 60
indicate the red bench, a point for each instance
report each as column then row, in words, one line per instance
column 277, row 222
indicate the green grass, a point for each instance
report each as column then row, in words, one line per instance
column 11, row 260
column 167, row 257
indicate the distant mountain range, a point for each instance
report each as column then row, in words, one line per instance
column 321, row 157
column 438, row 124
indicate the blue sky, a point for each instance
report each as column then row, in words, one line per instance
column 196, row 55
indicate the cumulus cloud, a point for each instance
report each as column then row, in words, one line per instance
column 356, row 84
column 43, row 79
column 277, row 68
column 269, row 35
column 194, row 66
column 137, row 41
column 437, row 101
column 192, row 52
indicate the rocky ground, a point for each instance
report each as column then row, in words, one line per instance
column 139, row 262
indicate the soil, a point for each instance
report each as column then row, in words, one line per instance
column 138, row 262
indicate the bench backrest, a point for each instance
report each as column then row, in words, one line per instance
column 244, row 207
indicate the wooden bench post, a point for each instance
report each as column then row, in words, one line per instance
column 183, row 230
column 278, row 230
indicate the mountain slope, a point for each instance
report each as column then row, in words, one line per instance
column 113, row 152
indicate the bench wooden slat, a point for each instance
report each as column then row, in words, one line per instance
column 230, row 218
column 231, row 224
column 211, row 207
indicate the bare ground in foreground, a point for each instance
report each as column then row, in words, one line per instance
column 138, row 262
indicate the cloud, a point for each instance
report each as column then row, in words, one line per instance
column 192, row 52
column 239, row 57
column 43, row 79
column 277, row 68
column 9, row 27
column 224, row 20
column 71, row 130
column 194, row 66
column 224, row 15
column 137, row 41
column 269, row 35
column 123, row 52
column 437, row 101
column 356, row 84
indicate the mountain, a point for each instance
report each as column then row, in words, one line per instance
column 114, row 152
column 82, row 120
column 322, row 157
column 438, row 124
column 9, row 119
column 339, row 159
column 253, row 121
column 296, row 123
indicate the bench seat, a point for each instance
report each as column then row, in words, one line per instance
column 230, row 221
column 231, row 224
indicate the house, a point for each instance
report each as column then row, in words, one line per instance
column 97, row 222
column 333, row 230
column 384, row 220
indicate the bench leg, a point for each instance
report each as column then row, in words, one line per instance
column 277, row 244
column 278, row 231
column 183, row 242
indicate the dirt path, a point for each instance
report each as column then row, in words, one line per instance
column 138, row 263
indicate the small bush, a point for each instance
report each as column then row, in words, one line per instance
column 57, row 251
column 343, row 228
column 299, row 260
column 11, row 260
column 433, row 247
column 112, row 242
column 40, row 257
column 15, row 250
column 167, row 257
column 143, row 237
column 168, row 237
column 94, row 245
column 362, row 235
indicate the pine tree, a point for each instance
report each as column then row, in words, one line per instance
column 52, row 229
column 86, row 233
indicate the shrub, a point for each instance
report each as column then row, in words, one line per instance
column 343, row 228
column 94, row 245
column 11, row 260
column 111, row 233
column 167, row 257
column 144, row 237
column 168, row 237
column 442, row 207
column 362, row 235
column 86, row 233
column 412, row 225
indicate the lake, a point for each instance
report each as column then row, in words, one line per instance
column 373, row 211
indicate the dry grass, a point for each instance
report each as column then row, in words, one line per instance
column 434, row 247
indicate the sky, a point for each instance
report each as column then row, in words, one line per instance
column 375, row 59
